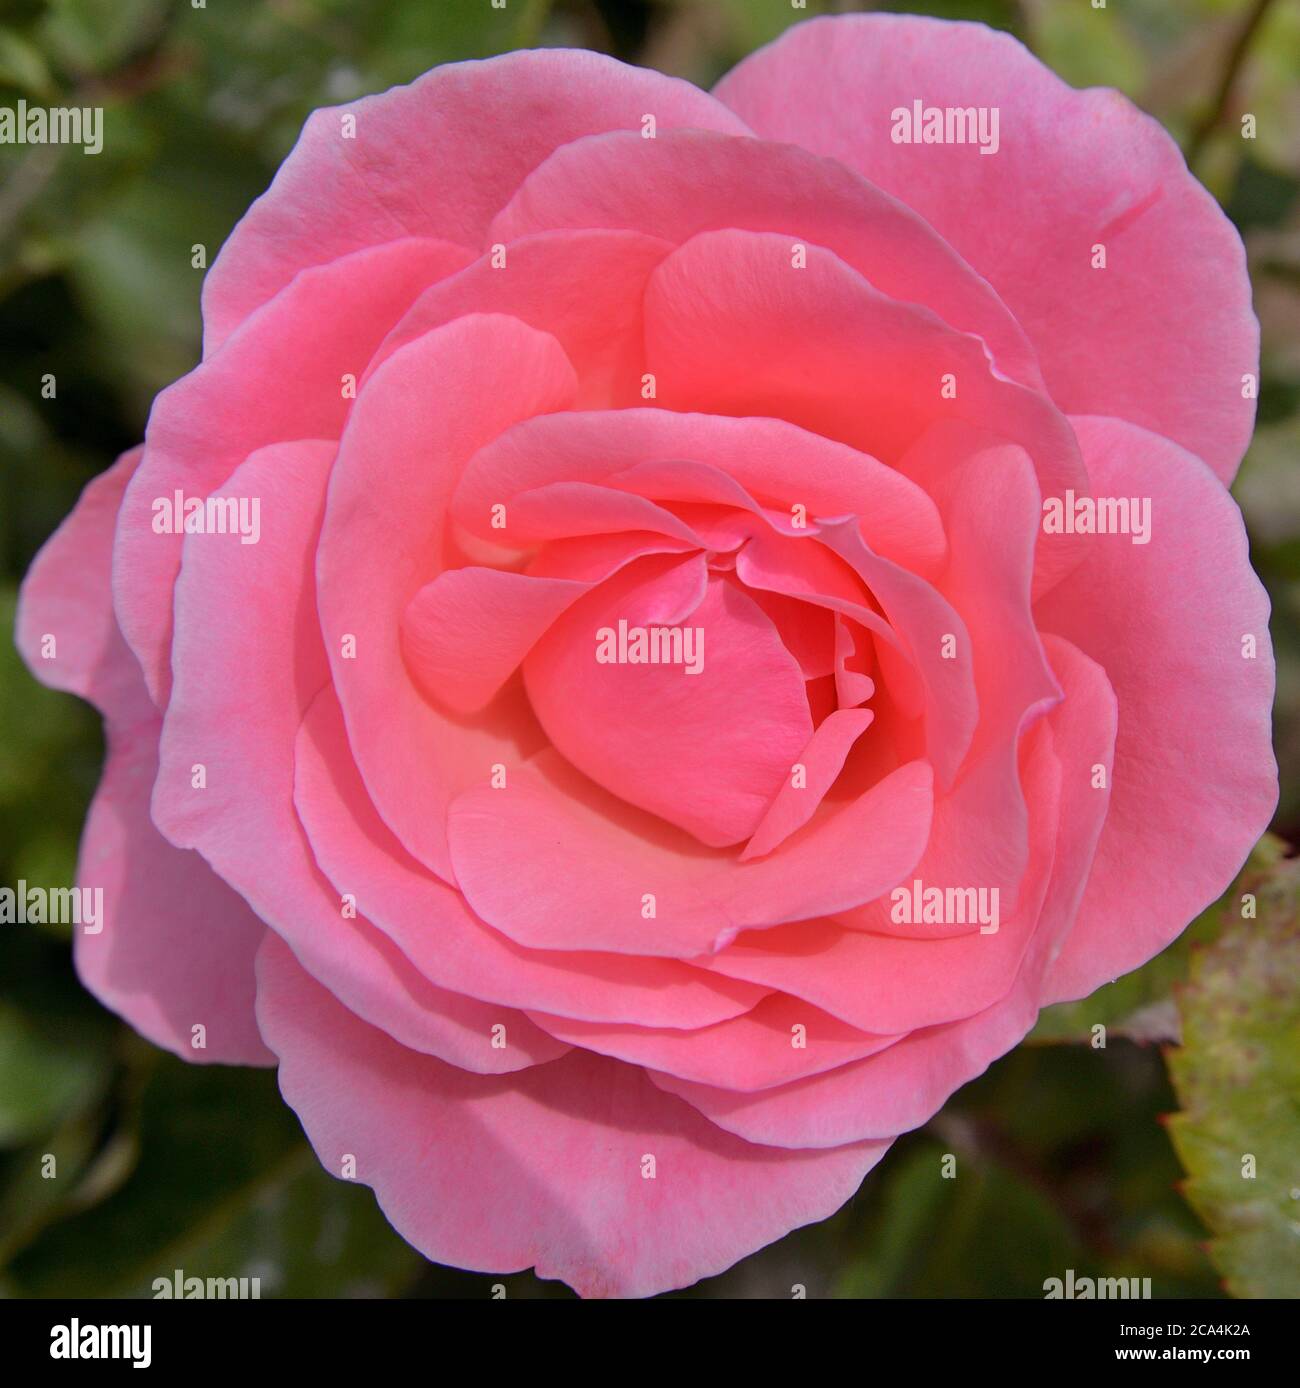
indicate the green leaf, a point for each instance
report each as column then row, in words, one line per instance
column 948, row 1235
column 46, row 1072
column 22, row 66
column 1237, row 1077
column 95, row 35
column 1087, row 47
column 224, row 1186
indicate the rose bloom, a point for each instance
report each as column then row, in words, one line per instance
column 744, row 609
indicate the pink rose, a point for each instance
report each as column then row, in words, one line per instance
column 665, row 627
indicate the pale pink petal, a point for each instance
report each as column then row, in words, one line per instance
column 174, row 946
column 688, row 181
column 544, row 1169
column 174, row 952
column 1180, row 625
column 65, row 629
column 436, row 158
column 279, row 377
column 1163, row 335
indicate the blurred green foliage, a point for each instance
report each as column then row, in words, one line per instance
column 1061, row 1161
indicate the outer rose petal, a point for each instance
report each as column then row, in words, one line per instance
column 175, row 946
column 327, row 323
column 436, row 158
column 540, row 1169
column 239, row 701
column 66, row 594
column 1163, row 335
column 684, row 182
column 1195, row 780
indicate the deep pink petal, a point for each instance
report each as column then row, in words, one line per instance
column 821, row 760
column 557, row 863
column 443, row 938
column 429, row 408
column 705, row 742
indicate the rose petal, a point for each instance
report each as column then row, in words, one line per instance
column 436, row 158
column 557, row 863
column 543, row 1169
column 384, row 536
column 1195, row 779
column 1163, row 335
column 443, row 938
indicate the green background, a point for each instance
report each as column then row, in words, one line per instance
column 1066, row 1155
